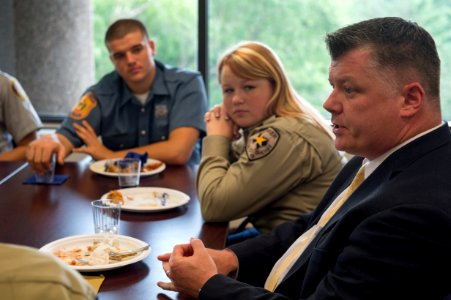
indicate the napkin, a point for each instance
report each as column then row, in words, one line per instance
column 57, row 180
column 142, row 157
column 95, row 281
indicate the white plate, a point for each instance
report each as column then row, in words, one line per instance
column 145, row 199
column 125, row 243
column 99, row 168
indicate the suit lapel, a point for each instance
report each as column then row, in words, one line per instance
column 391, row 167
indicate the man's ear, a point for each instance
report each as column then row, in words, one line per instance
column 413, row 94
column 152, row 47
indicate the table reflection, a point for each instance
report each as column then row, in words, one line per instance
column 34, row 215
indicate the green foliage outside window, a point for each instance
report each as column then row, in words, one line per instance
column 172, row 24
column 295, row 29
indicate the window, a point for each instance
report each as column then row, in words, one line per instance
column 172, row 24
column 295, row 29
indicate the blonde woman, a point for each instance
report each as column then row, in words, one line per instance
column 287, row 159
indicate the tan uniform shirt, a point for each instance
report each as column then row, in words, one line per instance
column 26, row 273
column 18, row 118
column 284, row 170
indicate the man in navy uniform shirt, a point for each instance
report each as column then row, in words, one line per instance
column 142, row 106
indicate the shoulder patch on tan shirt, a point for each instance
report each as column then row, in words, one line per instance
column 82, row 109
column 17, row 90
column 261, row 144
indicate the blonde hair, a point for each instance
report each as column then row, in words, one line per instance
column 254, row 60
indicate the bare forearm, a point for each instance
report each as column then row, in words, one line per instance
column 17, row 153
column 169, row 153
column 66, row 143
column 176, row 150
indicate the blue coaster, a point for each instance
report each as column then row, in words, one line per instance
column 57, row 180
column 142, row 157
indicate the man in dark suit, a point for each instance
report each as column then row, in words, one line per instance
column 391, row 238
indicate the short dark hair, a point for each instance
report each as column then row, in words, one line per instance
column 122, row 27
column 397, row 44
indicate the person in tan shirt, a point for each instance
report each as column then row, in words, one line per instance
column 287, row 158
column 19, row 122
column 27, row 273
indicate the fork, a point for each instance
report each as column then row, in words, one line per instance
column 119, row 254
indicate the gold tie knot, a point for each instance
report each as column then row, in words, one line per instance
column 358, row 179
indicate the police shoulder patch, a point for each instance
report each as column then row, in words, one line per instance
column 17, row 90
column 82, row 109
column 261, row 144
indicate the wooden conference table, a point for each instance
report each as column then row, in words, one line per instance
column 9, row 168
column 34, row 215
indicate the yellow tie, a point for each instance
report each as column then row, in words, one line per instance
column 288, row 258
column 358, row 179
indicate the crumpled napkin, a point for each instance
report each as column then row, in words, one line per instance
column 95, row 281
column 57, row 180
column 142, row 157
